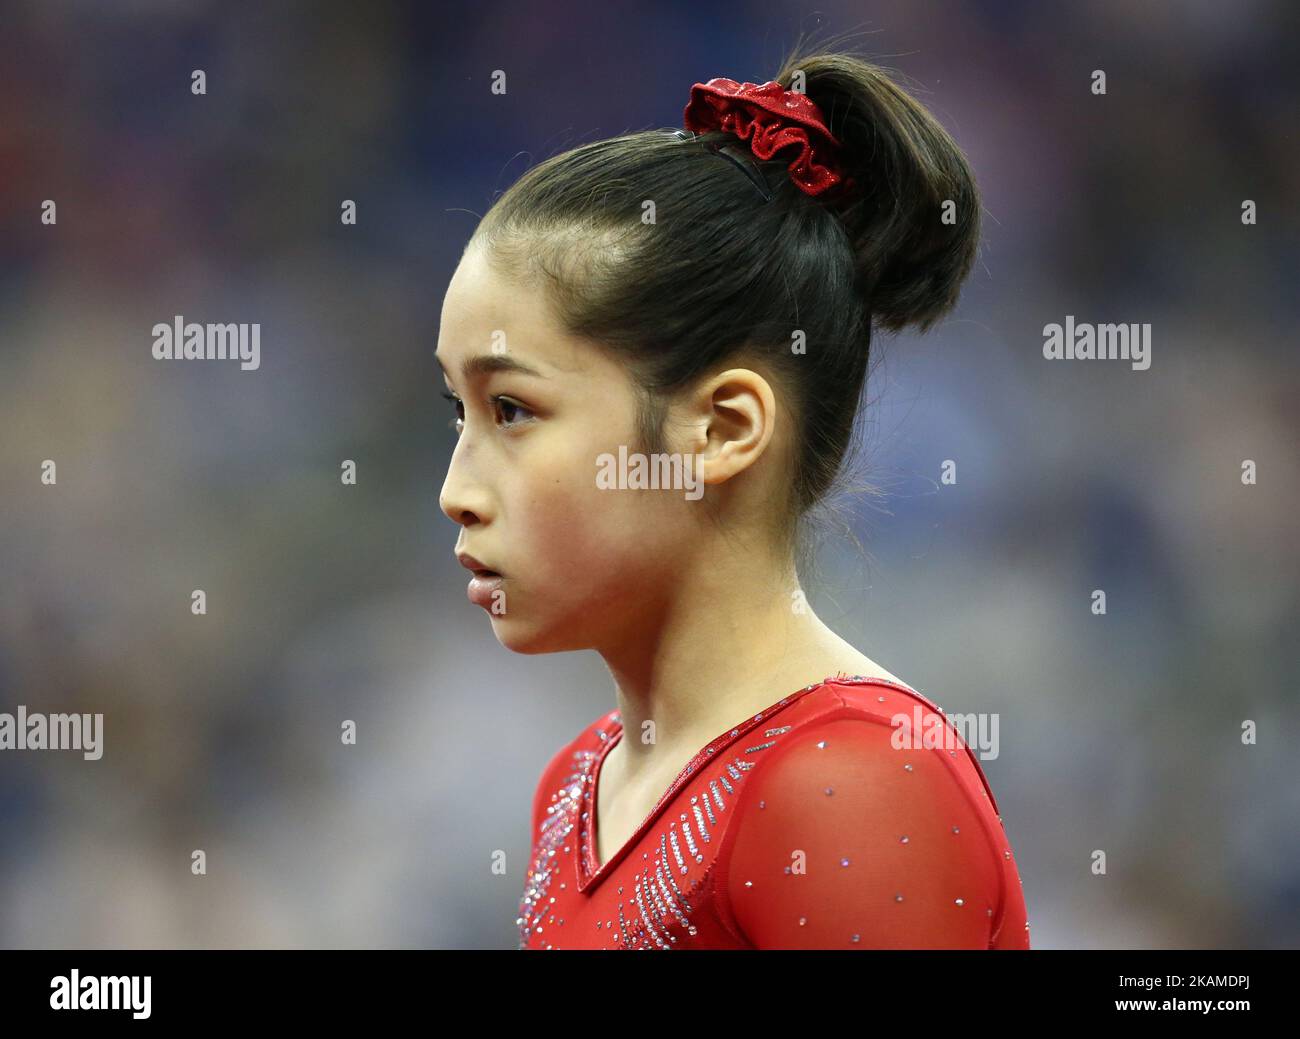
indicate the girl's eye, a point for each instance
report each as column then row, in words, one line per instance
column 507, row 408
column 460, row 411
column 507, row 412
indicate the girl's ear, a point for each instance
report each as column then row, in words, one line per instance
column 732, row 417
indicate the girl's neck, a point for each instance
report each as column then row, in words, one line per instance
column 714, row 657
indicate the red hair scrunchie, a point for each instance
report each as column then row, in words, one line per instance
column 770, row 118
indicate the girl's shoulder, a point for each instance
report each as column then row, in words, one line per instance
column 866, row 818
column 879, row 716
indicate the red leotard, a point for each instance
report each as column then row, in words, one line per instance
column 805, row 827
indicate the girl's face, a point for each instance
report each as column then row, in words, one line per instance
column 581, row 564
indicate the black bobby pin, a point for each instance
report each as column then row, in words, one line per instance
column 742, row 157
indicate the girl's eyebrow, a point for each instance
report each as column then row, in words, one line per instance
column 485, row 364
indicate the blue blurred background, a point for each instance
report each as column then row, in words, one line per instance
column 328, row 602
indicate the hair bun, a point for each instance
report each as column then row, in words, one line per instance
column 912, row 211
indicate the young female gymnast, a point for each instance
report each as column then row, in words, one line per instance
column 656, row 346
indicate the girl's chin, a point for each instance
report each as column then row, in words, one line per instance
column 518, row 637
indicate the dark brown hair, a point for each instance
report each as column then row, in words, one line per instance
column 720, row 275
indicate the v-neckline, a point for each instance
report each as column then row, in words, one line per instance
column 589, row 873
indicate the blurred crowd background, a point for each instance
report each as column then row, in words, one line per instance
column 1118, row 733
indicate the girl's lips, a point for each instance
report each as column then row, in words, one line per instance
column 482, row 586
column 470, row 563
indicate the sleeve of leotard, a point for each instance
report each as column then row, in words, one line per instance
column 843, row 840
